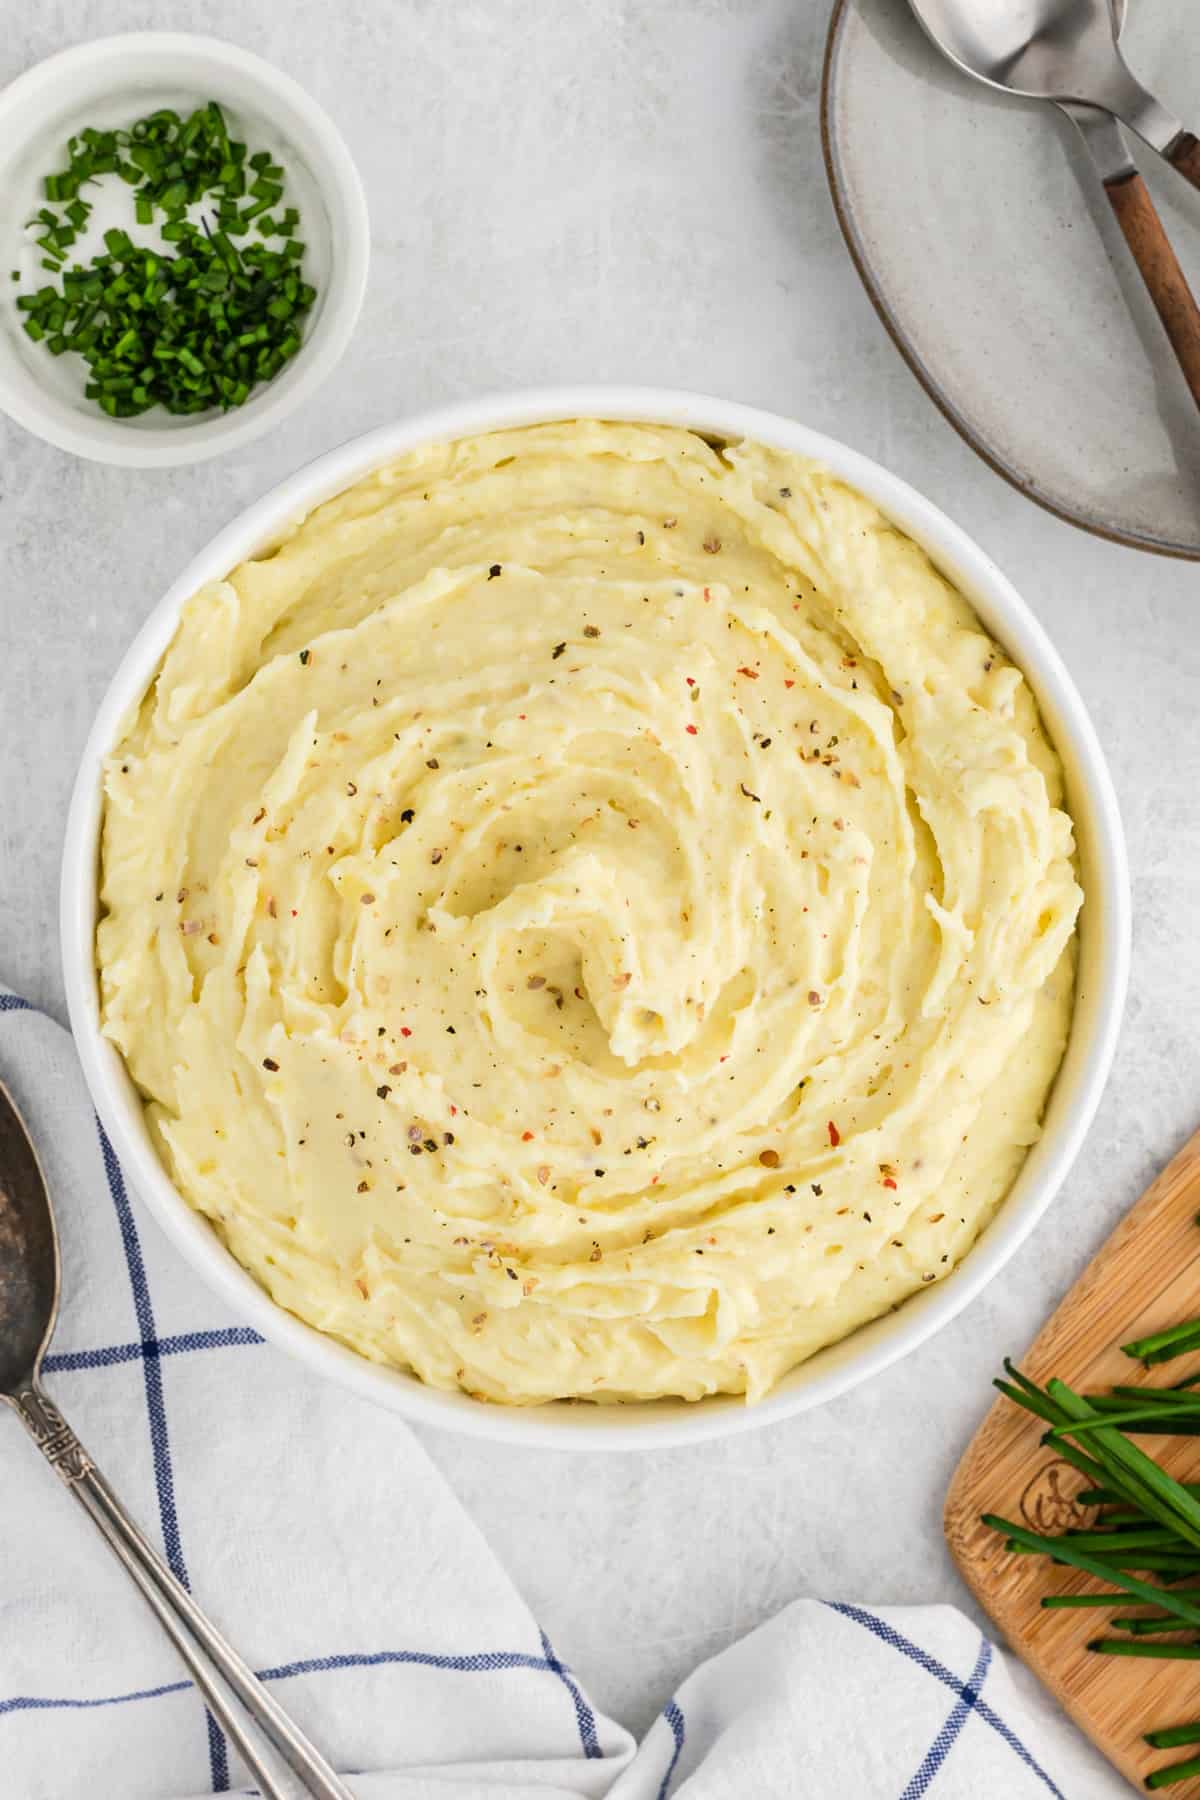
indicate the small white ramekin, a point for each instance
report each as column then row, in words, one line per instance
column 1103, row 965
column 111, row 82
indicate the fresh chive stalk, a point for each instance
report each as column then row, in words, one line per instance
column 1173, row 1737
column 1144, row 1519
column 1161, row 1346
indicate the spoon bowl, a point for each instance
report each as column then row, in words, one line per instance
column 29, row 1270
column 1058, row 50
column 1042, row 49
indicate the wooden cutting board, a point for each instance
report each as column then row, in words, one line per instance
column 1146, row 1277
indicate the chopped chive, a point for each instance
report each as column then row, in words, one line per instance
column 201, row 325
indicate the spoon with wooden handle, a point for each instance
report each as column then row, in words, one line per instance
column 1057, row 50
column 1066, row 51
column 1143, row 229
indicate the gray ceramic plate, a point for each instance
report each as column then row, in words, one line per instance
column 986, row 243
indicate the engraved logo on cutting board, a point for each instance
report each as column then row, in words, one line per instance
column 1048, row 1503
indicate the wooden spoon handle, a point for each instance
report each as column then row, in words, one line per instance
column 1165, row 281
column 1184, row 154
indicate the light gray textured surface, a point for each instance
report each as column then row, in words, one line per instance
column 602, row 190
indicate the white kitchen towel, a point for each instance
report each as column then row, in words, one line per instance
column 318, row 1535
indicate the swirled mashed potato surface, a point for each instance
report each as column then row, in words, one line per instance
column 590, row 914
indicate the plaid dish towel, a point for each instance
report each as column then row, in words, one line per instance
column 319, row 1536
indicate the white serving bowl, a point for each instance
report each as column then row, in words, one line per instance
column 1103, row 965
column 111, row 82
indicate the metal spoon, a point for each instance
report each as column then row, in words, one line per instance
column 1057, row 50
column 1002, row 45
column 29, row 1288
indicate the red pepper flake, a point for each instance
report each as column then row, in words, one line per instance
column 752, row 673
column 527, row 1137
column 690, row 679
column 888, row 1182
column 453, row 1111
column 835, row 1136
column 788, row 683
column 692, row 730
column 405, row 1032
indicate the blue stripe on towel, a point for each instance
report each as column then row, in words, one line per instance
column 160, row 1442
column 946, row 1738
column 66, row 1361
column 585, row 1718
column 673, row 1714
column 887, row 1634
column 479, row 1662
column 42, row 1703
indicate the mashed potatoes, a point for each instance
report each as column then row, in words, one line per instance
column 590, row 914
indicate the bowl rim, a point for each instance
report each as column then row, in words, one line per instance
column 873, row 1347
column 111, row 441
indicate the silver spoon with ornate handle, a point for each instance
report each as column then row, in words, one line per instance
column 29, row 1287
